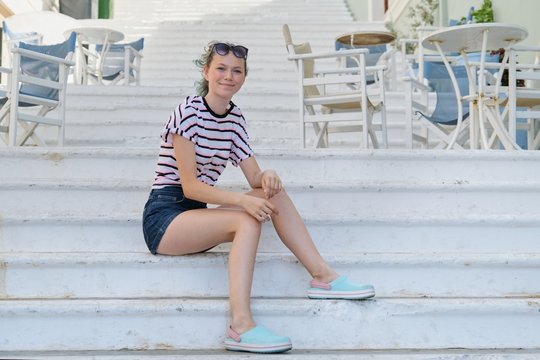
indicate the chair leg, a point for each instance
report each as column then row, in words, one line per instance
column 30, row 129
column 442, row 134
column 534, row 143
column 373, row 137
column 384, row 130
column 322, row 134
column 371, row 132
column 29, row 133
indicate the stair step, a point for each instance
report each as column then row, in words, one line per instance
column 199, row 324
column 359, row 199
column 371, row 234
column 443, row 354
column 109, row 275
column 321, row 165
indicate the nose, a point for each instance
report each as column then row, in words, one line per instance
column 228, row 74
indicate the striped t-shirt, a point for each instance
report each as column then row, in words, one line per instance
column 217, row 139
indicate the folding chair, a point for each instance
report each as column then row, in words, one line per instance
column 37, row 80
column 443, row 119
column 120, row 62
column 328, row 102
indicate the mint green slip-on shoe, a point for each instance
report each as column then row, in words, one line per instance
column 257, row 340
column 340, row 288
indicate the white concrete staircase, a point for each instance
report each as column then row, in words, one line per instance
column 449, row 239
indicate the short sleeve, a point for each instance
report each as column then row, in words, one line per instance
column 183, row 121
column 240, row 149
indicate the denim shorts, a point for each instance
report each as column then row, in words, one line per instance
column 162, row 207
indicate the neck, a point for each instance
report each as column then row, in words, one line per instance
column 217, row 104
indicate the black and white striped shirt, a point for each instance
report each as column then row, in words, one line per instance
column 217, row 139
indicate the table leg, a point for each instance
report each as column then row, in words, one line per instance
column 459, row 98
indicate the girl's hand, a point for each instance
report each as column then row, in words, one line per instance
column 270, row 183
column 260, row 209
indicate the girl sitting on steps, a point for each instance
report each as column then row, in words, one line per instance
column 202, row 134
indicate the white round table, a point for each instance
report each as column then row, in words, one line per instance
column 366, row 38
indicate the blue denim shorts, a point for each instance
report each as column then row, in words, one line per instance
column 162, row 207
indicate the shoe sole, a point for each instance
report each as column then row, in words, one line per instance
column 344, row 295
column 255, row 348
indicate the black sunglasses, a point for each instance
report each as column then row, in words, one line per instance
column 223, row 49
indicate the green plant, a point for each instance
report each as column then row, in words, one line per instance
column 482, row 15
column 485, row 13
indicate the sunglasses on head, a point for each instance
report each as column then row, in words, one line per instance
column 223, row 49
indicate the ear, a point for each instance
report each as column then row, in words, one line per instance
column 205, row 72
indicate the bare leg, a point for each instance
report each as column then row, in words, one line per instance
column 190, row 233
column 294, row 234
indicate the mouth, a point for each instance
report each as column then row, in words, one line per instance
column 228, row 86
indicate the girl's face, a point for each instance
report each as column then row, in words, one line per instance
column 225, row 75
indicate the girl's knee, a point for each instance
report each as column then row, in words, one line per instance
column 241, row 220
column 245, row 220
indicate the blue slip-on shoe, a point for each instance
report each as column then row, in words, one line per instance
column 340, row 288
column 257, row 340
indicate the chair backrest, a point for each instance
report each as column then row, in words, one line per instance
column 43, row 69
column 309, row 65
column 446, row 109
column 115, row 57
column 11, row 38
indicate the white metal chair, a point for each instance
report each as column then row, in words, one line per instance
column 37, row 80
column 327, row 99
column 432, row 105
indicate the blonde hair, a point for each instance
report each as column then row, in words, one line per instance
column 201, row 86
